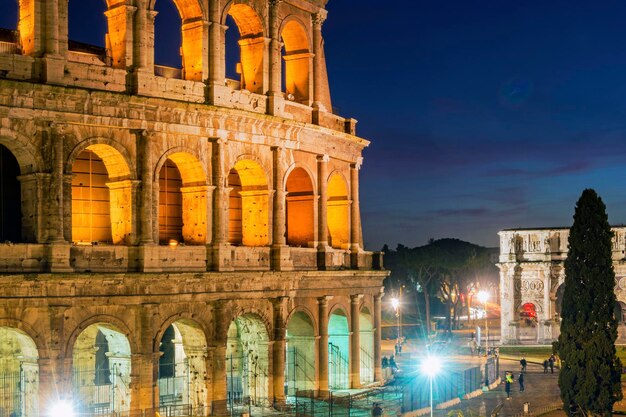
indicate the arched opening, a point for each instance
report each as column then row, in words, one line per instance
column 297, row 57
column 182, row 369
column 338, row 212
column 247, row 362
column 167, row 40
column 101, row 369
column 251, row 47
column 87, row 30
column 170, row 204
column 10, row 198
column 101, row 197
column 19, row 374
column 366, row 334
column 9, row 36
column 300, row 209
column 300, row 354
column 338, row 350
column 182, row 200
column 528, row 322
column 248, row 205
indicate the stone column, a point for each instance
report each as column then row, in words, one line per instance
column 280, row 251
column 220, row 246
column 276, row 102
column 322, row 303
column 55, row 39
column 55, row 222
column 278, row 367
column 218, row 353
column 355, row 216
column 355, row 341
column 144, row 153
column 217, row 74
column 54, row 383
column 378, row 373
column 322, row 213
column 318, row 61
column 58, row 250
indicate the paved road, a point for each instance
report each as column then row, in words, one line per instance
column 541, row 391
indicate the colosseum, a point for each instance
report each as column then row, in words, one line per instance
column 173, row 238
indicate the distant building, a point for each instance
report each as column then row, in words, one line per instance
column 175, row 240
column 531, row 282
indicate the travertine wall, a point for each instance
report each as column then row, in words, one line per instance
column 135, row 116
column 532, row 272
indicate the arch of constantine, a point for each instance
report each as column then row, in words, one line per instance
column 531, row 283
column 173, row 238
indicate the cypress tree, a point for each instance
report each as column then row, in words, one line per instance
column 590, row 375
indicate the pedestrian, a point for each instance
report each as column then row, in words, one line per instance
column 377, row 410
column 385, row 362
column 508, row 380
column 545, row 366
column 396, row 348
column 521, row 382
column 392, row 364
column 523, row 364
column 551, row 363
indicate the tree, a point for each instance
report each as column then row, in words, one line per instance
column 590, row 374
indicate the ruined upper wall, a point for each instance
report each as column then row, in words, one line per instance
column 275, row 35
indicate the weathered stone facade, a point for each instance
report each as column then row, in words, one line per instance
column 173, row 225
column 531, row 280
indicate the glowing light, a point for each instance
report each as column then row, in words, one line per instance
column 173, row 242
column 431, row 366
column 62, row 408
column 483, row 296
column 395, row 303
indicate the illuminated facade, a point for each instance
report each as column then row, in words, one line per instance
column 531, row 283
column 175, row 240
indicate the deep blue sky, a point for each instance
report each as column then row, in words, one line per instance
column 483, row 115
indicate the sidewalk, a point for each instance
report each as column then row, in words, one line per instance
column 541, row 391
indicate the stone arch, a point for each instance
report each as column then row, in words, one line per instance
column 297, row 59
column 183, row 198
column 202, row 326
column 305, row 310
column 242, row 311
column 182, row 365
column 252, row 31
column 247, row 360
column 249, row 204
column 99, row 319
column 28, row 157
column 19, row 373
column 28, row 330
column 338, row 211
column 338, row 348
column 119, row 161
column 102, row 197
column 101, row 369
column 366, row 338
column 300, row 355
column 300, row 207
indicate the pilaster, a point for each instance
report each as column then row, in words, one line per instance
column 378, row 374
column 280, row 305
column 280, row 252
column 355, row 217
column 355, row 341
column 220, row 248
column 322, row 303
column 276, row 101
column 323, row 250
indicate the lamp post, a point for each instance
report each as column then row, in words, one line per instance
column 431, row 366
column 483, row 296
column 395, row 303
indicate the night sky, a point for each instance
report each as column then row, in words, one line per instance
column 483, row 115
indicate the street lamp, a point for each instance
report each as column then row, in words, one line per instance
column 483, row 296
column 61, row 408
column 395, row 303
column 431, row 366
